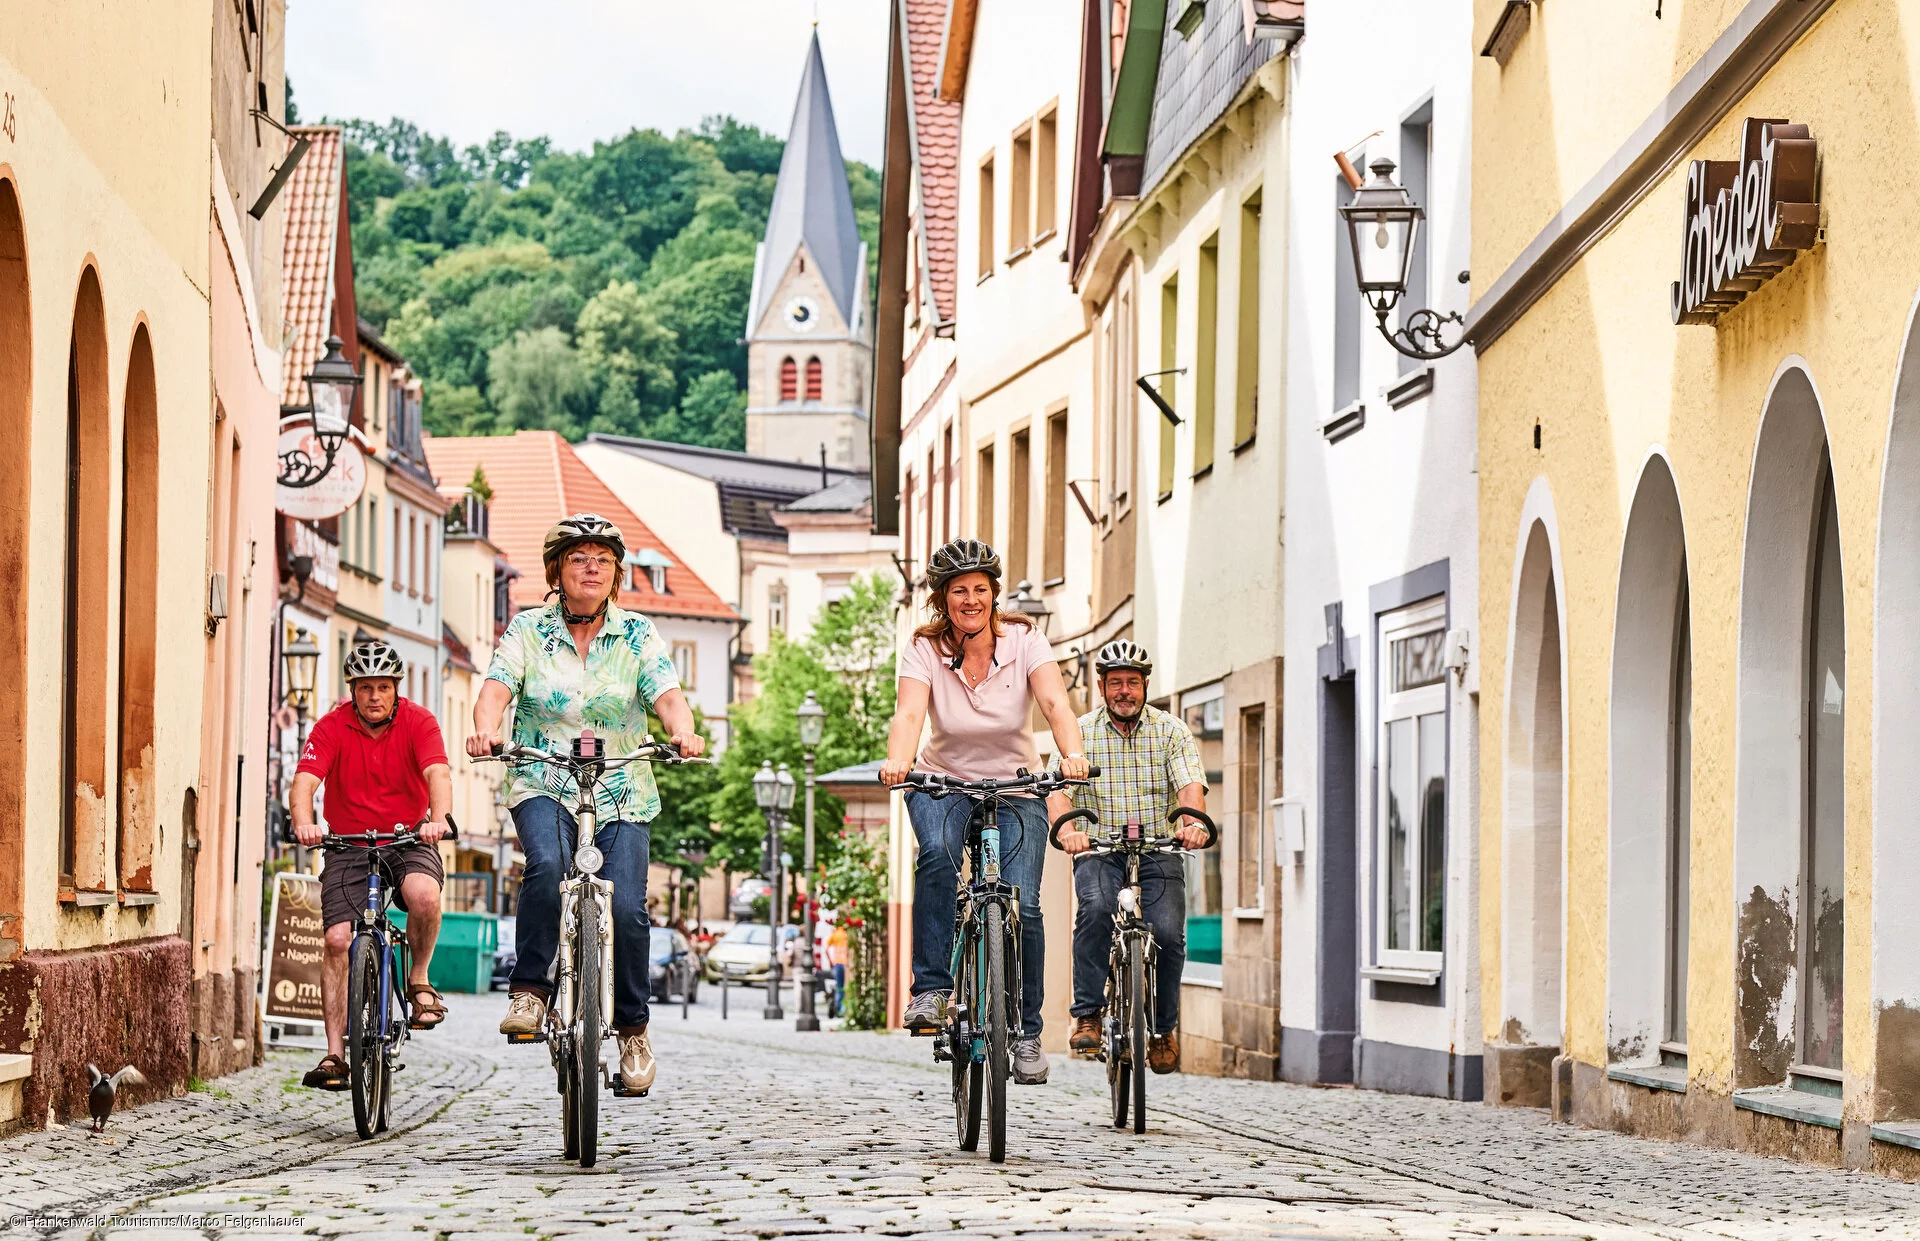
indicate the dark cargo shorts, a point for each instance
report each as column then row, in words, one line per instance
column 343, row 884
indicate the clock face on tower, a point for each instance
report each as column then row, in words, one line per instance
column 803, row 314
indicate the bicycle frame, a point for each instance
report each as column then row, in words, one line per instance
column 375, row 925
column 575, row 888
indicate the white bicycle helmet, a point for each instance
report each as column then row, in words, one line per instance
column 373, row 659
column 1121, row 653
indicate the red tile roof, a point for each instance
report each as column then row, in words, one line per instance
column 312, row 199
column 537, row 479
column 936, row 129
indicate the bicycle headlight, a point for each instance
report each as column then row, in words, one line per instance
column 587, row 860
column 1129, row 900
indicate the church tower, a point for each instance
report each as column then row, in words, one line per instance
column 809, row 352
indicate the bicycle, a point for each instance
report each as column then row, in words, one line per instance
column 1132, row 963
column 578, row 1017
column 978, row 1038
column 378, row 1014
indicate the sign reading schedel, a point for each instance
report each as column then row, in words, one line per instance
column 1747, row 219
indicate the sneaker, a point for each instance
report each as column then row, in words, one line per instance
column 926, row 1014
column 637, row 1065
column 1030, row 1065
column 1086, row 1033
column 526, row 1013
column 1163, row 1052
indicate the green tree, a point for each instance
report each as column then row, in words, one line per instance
column 630, row 357
column 537, row 382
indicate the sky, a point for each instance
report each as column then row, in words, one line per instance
column 580, row 70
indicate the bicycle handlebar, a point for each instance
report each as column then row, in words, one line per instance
column 1213, row 833
column 649, row 751
column 936, row 785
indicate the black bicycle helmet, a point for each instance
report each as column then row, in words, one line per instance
column 582, row 528
column 373, row 659
column 1121, row 653
column 951, row 560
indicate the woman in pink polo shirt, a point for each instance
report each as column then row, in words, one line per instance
column 981, row 670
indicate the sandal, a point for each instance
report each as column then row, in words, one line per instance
column 329, row 1074
column 429, row 1012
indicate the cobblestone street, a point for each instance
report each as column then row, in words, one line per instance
column 756, row 1132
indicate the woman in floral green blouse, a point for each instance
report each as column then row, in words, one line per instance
column 578, row 663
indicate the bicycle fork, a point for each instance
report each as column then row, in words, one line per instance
column 572, row 891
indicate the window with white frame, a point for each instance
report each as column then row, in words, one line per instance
column 777, row 608
column 685, row 663
column 1410, row 853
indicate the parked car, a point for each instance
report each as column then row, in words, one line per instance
column 674, row 969
column 740, row 905
column 503, row 955
column 742, row 952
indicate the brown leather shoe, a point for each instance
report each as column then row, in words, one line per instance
column 1163, row 1053
column 1086, row 1034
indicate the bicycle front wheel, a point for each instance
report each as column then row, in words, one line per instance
column 1114, row 1026
column 366, row 1042
column 999, row 1045
column 1137, row 984
column 967, row 1072
column 586, row 1059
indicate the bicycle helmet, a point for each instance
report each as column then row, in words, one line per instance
column 372, row 659
column 1121, row 653
column 951, row 560
column 582, row 528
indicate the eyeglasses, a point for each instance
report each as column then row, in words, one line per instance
column 582, row 560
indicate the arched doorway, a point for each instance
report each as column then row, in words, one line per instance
column 1789, row 828
column 1532, row 833
column 139, row 576
column 87, row 861
column 1650, row 782
column 16, row 431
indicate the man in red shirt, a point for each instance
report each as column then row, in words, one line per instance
column 384, row 764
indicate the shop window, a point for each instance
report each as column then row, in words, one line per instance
column 1411, row 849
column 1680, row 823
column 1250, row 788
column 1822, row 924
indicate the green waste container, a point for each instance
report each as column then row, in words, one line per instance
column 1203, row 938
column 463, row 955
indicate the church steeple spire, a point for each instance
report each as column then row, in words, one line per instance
column 812, row 205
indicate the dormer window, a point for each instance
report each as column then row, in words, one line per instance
column 647, row 570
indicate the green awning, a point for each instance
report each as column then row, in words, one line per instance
column 1132, row 109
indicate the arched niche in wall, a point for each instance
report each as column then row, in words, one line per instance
column 87, row 860
column 1649, row 776
column 16, row 431
column 139, row 613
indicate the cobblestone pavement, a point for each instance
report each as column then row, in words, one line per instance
column 757, row 1132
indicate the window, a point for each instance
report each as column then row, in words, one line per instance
column 983, row 496
column 777, row 608
column 399, row 550
column 1822, row 924
column 1346, row 306
column 814, row 379
column 657, row 579
column 986, row 218
column 789, row 379
column 427, row 575
column 1680, row 822
column 339, row 671
column 1054, row 567
column 1411, row 856
column 933, row 473
column 373, row 534
column 1046, row 146
column 1169, row 351
column 913, row 278
column 685, row 663
column 1019, row 201
column 1416, row 143
column 1246, row 367
column 1019, row 497
column 906, row 520
column 1206, row 353
column 834, row 587
column 1123, row 412
column 1251, row 789
column 947, row 471
column 413, row 554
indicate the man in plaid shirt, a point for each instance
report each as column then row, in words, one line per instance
column 1148, row 765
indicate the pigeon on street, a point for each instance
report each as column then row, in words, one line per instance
column 100, row 1098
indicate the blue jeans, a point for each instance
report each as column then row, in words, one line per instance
column 940, row 826
column 1163, row 895
column 546, row 830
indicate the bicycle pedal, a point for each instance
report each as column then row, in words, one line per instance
column 541, row 1037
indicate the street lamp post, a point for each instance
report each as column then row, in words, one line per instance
column 813, row 726
column 299, row 664
column 331, row 387
column 773, row 793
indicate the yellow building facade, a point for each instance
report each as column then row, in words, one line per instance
column 138, row 363
column 1694, row 303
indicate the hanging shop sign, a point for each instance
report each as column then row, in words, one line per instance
column 1747, row 219
column 333, row 494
